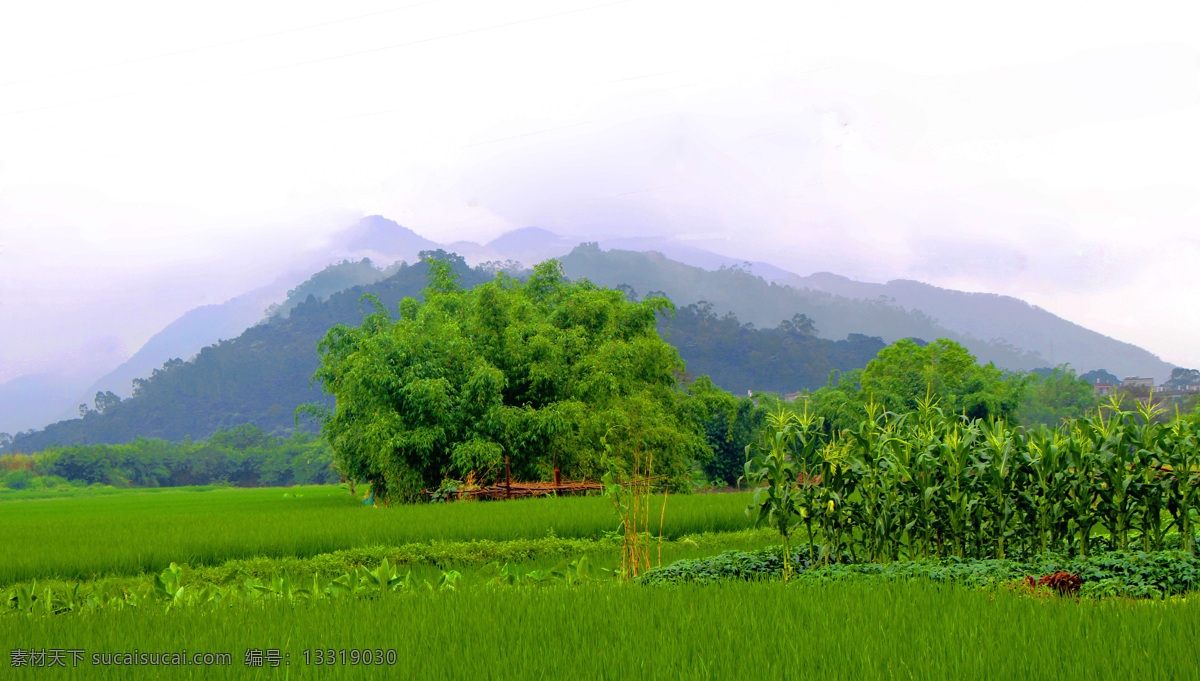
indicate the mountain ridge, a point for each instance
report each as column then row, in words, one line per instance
column 994, row 315
column 261, row 376
column 985, row 322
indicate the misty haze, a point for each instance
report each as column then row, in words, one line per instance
column 578, row 310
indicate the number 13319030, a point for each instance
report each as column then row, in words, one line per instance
column 353, row 656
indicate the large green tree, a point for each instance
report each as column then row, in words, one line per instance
column 546, row 372
column 1051, row 397
column 908, row 371
column 728, row 423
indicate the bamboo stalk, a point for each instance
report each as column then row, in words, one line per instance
column 662, row 518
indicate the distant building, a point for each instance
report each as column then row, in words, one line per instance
column 1180, row 389
column 1133, row 383
column 1166, row 393
column 1176, row 396
column 1104, row 389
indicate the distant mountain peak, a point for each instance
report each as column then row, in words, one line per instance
column 383, row 236
column 524, row 236
column 528, row 245
column 829, row 277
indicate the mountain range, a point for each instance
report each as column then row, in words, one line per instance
column 1002, row 329
column 264, row 374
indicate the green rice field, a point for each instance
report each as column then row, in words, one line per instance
column 598, row 627
column 734, row 631
column 137, row 531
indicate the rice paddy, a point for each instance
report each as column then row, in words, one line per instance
column 139, row 531
column 597, row 627
column 734, row 631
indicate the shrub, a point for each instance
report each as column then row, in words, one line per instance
column 730, row 565
column 18, row 479
column 1132, row 574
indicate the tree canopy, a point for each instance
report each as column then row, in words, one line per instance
column 1101, row 376
column 739, row 357
column 1182, row 378
column 546, row 372
column 907, row 372
column 728, row 423
column 1054, row 395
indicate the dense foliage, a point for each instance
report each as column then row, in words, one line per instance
column 765, row 563
column 545, row 373
column 244, row 456
column 1182, row 379
column 1100, row 376
column 928, row 483
column 1053, row 396
column 741, row 358
column 333, row 279
column 729, row 424
column 1133, row 574
column 910, row 371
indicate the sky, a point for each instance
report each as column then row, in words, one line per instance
column 155, row 157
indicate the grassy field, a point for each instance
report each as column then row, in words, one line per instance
column 69, row 491
column 138, row 531
column 735, row 631
column 600, row 628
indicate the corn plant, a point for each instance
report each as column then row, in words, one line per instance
column 778, row 502
column 935, row 484
column 1044, row 497
column 1182, row 487
column 996, row 463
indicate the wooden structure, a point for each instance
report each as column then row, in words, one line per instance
column 527, row 489
column 510, row 490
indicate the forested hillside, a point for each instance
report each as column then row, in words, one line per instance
column 258, row 378
column 738, row 357
column 261, row 377
column 988, row 315
column 184, row 337
column 333, row 279
column 764, row 304
column 1000, row 329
